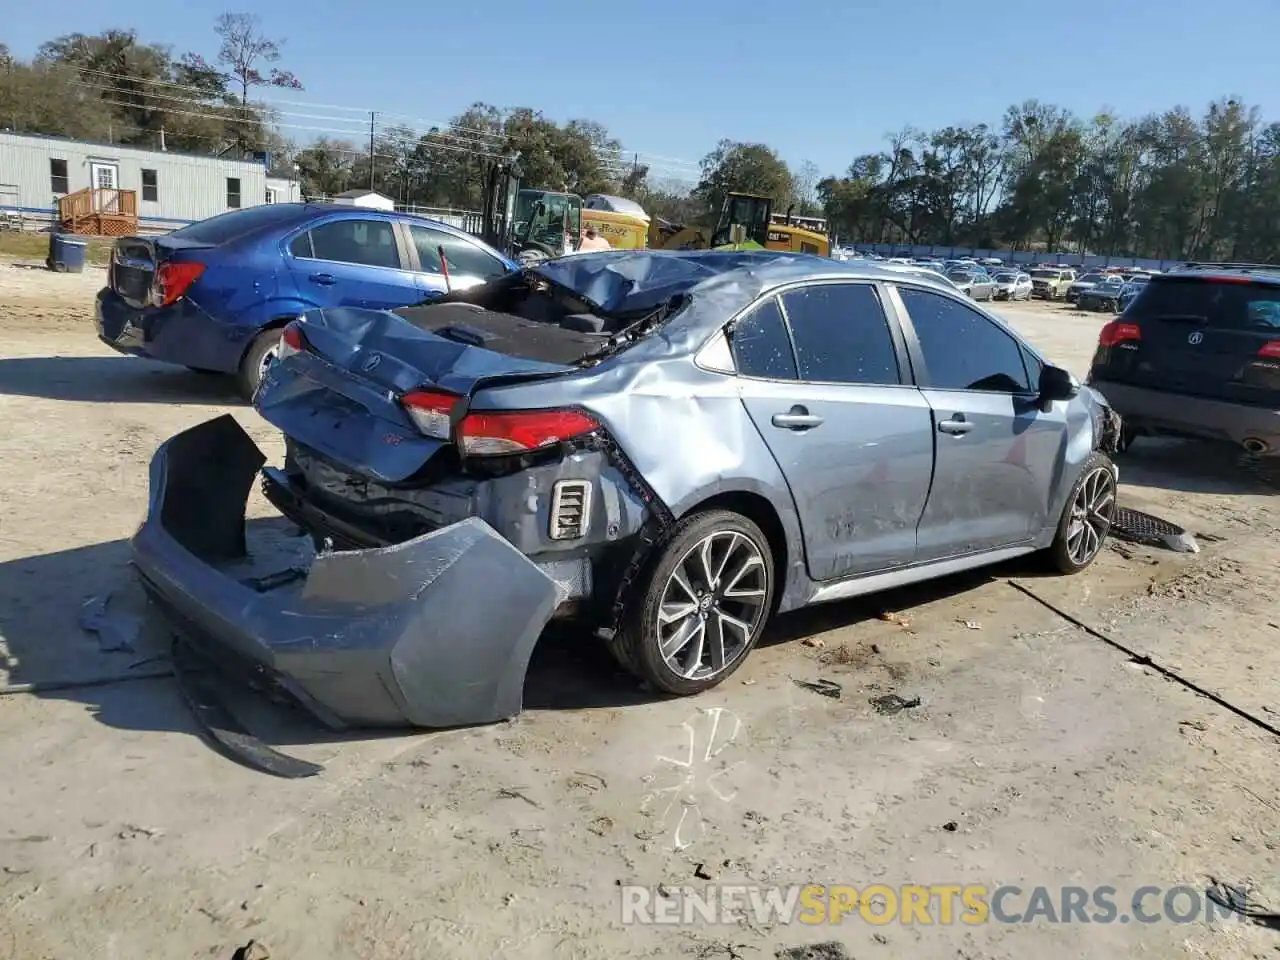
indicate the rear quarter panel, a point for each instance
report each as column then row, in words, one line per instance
column 685, row 429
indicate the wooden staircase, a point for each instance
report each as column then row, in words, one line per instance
column 99, row 212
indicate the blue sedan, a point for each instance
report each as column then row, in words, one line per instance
column 214, row 296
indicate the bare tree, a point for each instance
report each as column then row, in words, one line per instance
column 246, row 51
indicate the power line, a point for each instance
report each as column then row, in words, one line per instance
column 619, row 154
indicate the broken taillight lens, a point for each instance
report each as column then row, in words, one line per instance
column 431, row 412
column 1119, row 332
column 492, row 434
column 292, row 340
column 173, row 280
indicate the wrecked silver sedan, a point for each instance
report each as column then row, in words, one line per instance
column 668, row 447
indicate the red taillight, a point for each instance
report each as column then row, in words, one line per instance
column 1119, row 332
column 430, row 411
column 173, row 280
column 1270, row 350
column 292, row 340
column 1227, row 279
column 482, row 434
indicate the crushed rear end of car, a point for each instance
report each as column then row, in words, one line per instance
column 435, row 532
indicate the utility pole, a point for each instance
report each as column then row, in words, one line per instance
column 372, row 117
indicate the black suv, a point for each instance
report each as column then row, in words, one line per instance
column 1197, row 354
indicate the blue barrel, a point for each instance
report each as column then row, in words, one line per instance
column 66, row 253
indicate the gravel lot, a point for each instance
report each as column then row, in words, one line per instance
column 1040, row 755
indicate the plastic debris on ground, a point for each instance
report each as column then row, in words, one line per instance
column 1138, row 527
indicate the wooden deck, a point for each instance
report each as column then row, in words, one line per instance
column 99, row 212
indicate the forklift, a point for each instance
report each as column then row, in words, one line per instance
column 526, row 225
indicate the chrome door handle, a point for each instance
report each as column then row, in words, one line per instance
column 955, row 427
column 796, row 420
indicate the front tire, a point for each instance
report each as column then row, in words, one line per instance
column 260, row 355
column 702, row 606
column 1086, row 518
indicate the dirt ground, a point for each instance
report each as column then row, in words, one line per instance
column 1040, row 755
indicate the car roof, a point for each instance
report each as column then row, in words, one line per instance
column 1260, row 272
column 640, row 279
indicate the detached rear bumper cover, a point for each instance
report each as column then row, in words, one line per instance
column 434, row 632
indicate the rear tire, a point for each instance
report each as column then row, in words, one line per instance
column 701, row 607
column 1086, row 518
column 257, row 358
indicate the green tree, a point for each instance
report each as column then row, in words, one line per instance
column 742, row 167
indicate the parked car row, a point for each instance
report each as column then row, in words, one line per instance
column 1108, row 292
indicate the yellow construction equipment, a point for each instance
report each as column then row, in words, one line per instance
column 764, row 230
column 551, row 223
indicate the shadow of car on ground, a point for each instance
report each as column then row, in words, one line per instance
column 115, row 379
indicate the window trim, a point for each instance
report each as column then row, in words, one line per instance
column 400, row 239
column 923, row 376
column 154, row 187
column 66, row 175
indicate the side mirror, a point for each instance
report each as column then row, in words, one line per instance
column 1057, row 384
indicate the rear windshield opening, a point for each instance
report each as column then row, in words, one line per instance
column 236, row 223
column 522, row 315
column 1250, row 307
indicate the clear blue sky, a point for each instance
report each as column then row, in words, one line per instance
column 820, row 80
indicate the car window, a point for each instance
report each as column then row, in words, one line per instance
column 963, row 350
column 300, row 246
column 370, row 243
column 841, row 334
column 761, row 345
column 464, row 257
column 1211, row 303
column 236, row 223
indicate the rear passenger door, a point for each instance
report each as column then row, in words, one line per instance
column 998, row 455
column 823, row 377
column 353, row 262
column 468, row 263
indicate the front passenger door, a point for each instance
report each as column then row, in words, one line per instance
column 998, row 455
column 820, row 374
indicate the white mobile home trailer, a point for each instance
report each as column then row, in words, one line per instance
column 173, row 189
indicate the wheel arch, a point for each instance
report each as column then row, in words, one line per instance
column 783, row 539
column 274, row 323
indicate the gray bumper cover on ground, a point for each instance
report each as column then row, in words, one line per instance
column 433, row 632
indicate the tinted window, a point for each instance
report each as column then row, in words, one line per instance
column 1225, row 306
column 465, row 259
column 150, row 186
column 370, row 243
column 841, row 334
column 963, row 350
column 761, row 347
column 228, row 226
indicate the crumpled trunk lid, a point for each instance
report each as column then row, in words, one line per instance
column 342, row 397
